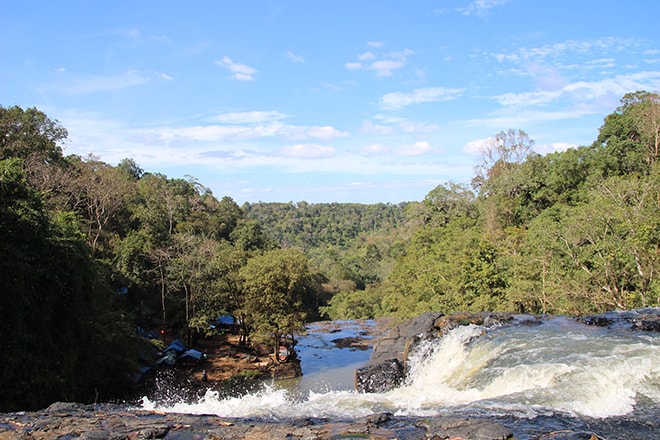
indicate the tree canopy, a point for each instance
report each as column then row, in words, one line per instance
column 91, row 251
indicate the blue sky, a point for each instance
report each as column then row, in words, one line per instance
column 348, row 101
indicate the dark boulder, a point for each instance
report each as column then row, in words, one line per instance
column 286, row 370
column 400, row 341
column 380, row 377
column 396, row 343
column 462, row 427
column 647, row 322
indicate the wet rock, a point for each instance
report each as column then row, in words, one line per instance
column 647, row 322
column 391, row 351
column 647, row 319
column 490, row 320
column 121, row 423
column 394, row 344
column 597, row 320
column 287, row 370
column 465, row 428
column 381, row 377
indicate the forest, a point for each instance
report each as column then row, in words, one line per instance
column 91, row 251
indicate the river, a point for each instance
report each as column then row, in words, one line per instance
column 560, row 368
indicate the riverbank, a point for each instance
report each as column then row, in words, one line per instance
column 226, row 359
column 585, row 363
column 105, row 422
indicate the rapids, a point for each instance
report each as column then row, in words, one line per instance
column 559, row 366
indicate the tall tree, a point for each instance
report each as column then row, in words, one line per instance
column 30, row 134
column 54, row 305
column 498, row 178
column 275, row 285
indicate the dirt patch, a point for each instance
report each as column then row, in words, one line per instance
column 226, row 358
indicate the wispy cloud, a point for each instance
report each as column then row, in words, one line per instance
column 78, row 85
column 239, row 71
column 254, row 117
column 477, row 146
column 400, row 100
column 245, row 126
column 370, row 127
column 584, row 92
column 554, row 51
column 481, row 7
column 309, row 151
column 382, row 64
column 295, row 58
column 416, row 149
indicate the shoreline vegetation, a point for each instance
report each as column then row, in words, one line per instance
column 92, row 251
column 106, row 420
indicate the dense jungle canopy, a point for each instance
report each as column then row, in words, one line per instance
column 90, row 251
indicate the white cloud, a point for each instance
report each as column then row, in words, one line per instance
column 245, row 126
column 477, row 146
column 399, row 100
column 166, row 76
column 385, row 67
column 618, row 85
column 382, row 65
column 524, row 117
column 295, row 58
column 239, row 72
column 366, row 56
column 324, row 132
column 254, row 117
column 553, row 52
column 481, row 7
column 373, row 128
column 553, row 147
column 307, row 151
column 416, row 149
column 93, row 84
column 526, row 99
column 374, row 149
column 584, row 92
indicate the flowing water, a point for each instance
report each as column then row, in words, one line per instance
column 560, row 366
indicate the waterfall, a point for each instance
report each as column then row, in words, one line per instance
column 560, row 365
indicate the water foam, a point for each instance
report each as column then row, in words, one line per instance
column 558, row 366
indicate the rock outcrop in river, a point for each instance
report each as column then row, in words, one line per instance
column 387, row 367
column 123, row 422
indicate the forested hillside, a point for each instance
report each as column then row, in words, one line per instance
column 572, row 232
column 309, row 225
column 92, row 251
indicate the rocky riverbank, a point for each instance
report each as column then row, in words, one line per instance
column 68, row 421
column 387, row 367
column 114, row 422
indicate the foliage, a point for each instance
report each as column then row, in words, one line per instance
column 568, row 232
column 53, row 318
column 572, row 232
column 274, row 287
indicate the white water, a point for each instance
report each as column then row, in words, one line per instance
column 557, row 366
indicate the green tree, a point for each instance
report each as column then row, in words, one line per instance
column 628, row 139
column 499, row 179
column 54, row 305
column 30, row 135
column 192, row 274
column 275, row 285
